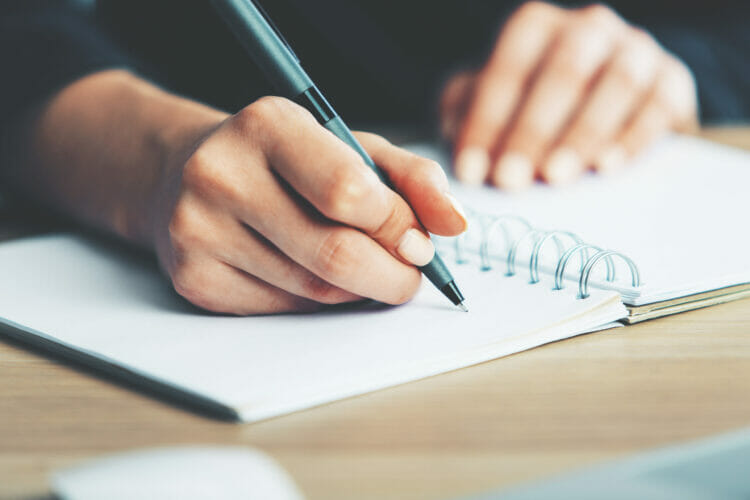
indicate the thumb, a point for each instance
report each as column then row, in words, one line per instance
column 422, row 184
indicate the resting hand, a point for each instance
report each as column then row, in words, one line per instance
column 562, row 91
column 271, row 212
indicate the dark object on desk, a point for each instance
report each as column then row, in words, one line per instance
column 703, row 470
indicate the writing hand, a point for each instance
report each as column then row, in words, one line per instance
column 271, row 212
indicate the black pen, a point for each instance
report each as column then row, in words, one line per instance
column 270, row 51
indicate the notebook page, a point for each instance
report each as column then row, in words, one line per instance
column 117, row 308
column 678, row 211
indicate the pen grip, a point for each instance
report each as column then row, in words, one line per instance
column 435, row 271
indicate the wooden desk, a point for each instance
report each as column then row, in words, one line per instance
column 543, row 411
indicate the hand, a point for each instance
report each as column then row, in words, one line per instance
column 271, row 212
column 564, row 90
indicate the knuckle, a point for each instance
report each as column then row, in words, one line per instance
column 428, row 168
column 182, row 280
column 189, row 282
column 600, row 15
column 395, row 221
column 423, row 170
column 185, row 226
column 268, row 109
column 582, row 47
column 642, row 38
column 232, row 191
column 530, row 12
column 206, row 177
column 633, row 70
column 335, row 258
column 265, row 109
column 676, row 87
column 199, row 169
column 264, row 116
column 635, row 62
column 680, row 72
column 346, row 190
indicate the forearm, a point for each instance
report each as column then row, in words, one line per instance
column 99, row 148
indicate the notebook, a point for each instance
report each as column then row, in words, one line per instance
column 107, row 307
column 678, row 214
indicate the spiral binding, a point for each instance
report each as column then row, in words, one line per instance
column 494, row 225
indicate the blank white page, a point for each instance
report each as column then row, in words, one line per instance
column 679, row 211
column 116, row 308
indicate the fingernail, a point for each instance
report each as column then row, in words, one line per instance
column 415, row 247
column 611, row 160
column 472, row 165
column 513, row 171
column 458, row 209
column 562, row 166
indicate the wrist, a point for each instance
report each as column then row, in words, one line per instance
column 98, row 150
column 176, row 142
column 175, row 126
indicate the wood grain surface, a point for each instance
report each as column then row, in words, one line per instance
column 539, row 412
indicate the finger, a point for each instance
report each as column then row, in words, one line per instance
column 218, row 287
column 340, row 255
column 336, row 181
column 258, row 257
column 622, row 86
column 344, row 256
column 650, row 123
column 669, row 105
column 578, row 54
column 454, row 102
column 195, row 225
column 421, row 182
column 318, row 165
column 678, row 91
column 500, row 85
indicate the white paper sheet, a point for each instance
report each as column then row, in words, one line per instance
column 117, row 309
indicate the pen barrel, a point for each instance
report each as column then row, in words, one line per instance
column 437, row 272
column 275, row 58
column 265, row 46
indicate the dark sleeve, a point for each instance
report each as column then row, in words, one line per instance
column 44, row 45
column 715, row 45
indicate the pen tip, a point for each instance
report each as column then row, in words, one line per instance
column 463, row 307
